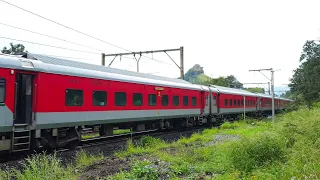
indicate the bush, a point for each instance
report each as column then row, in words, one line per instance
column 228, row 125
column 148, row 141
column 45, row 167
column 248, row 154
column 144, row 170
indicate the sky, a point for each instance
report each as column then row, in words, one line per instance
column 224, row 37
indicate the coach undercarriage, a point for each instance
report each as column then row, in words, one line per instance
column 22, row 138
column 71, row 137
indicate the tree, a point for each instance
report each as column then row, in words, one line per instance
column 255, row 90
column 305, row 81
column 14, row 49
column 233, row 82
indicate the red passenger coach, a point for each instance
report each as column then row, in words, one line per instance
column 233, row 102
column 46, row 101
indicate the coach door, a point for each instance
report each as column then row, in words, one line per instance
column 23, row 98
column 203, row 102
column 214, row 109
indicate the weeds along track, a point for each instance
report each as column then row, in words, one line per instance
column 96, row 146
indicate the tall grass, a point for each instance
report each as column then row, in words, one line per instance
column 263, row 149
column 48, row 167
column 288, row 148
column 84, row 159
column 44, row 167
column 145, row 145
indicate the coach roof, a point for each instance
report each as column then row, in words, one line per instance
column 53, row 65
column 75, row 64
column 227, row 90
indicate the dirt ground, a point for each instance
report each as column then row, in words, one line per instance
column 104, row 168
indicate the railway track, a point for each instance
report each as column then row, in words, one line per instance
column 109, row 139
column 12, row 159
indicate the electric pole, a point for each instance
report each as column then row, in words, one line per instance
column 272, row 89
column 181, row 67
column 103, row 60
column 272, row 85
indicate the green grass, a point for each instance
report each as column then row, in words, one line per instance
column 48, row 167
column 117, row 131
column 121, row 131
column 90, row 135
column 84, row 159
column 288, row 148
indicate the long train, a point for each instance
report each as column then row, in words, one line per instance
column 47, row 101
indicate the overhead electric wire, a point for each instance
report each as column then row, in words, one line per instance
column 67, row 57
column 49, row 45
column 49, row 55
column 73, row 29
column 51, row 37
column 64, row 25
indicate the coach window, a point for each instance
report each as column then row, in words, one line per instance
column 234, row 102
column 176, row 100
column 120, row 99
column 165, row 100
column 230, row 102
column 194, row 101
column 137, row 99
column 99, row 98
column 74, row 97
column 226, row 102
column 2, row 89
column 238, row 102
column 152, row 99
column 185, row 100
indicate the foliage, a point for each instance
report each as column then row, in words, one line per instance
column 254, row 152
column 228, row 125
column 45, row 167
column 84, row 159
column 304, row 82
column 255, row 90
column 14, row 49
column 229, row 81
column 144, row 170
column 148, row 141
column 146, row 145
column 285, row 149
